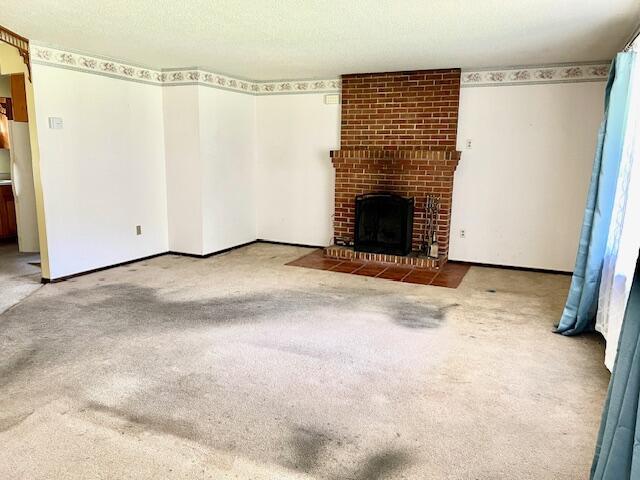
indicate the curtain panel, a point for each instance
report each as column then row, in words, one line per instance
column 617, row 455
column 582, row 302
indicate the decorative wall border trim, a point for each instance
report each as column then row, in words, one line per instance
column 54, row 57
column 530, row 75
column 212, row 79
column 96, row 65
column 523, row 75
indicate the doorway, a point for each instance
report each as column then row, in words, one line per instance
column 19, row 242
column 18, row 219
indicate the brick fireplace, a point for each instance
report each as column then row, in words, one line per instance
column 398, row 135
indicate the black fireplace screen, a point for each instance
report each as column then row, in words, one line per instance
column 384, row 223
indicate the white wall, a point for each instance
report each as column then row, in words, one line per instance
column 184, row 169
column 519, row 192
column 227, row 143
column 295, row 177
column 104, row 172
column 210, row 153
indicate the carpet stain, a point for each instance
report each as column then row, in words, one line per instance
column 417, row 315
column 313, row 448
column 134, row 307
column 14, row 366
column 382, row 465
column 156, row 423
column 307, row 446
column 8, row 423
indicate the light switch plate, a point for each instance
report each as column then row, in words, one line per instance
column 56, row 123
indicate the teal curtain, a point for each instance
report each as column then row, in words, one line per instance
column 617, row 454
column 582, row 302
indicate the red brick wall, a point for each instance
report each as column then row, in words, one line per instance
column 415, row 110
column 398, row 136
column 415, row 173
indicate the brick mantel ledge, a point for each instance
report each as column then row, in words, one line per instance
column 434, row 162
column 439, row 155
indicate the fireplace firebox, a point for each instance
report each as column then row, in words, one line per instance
column 383, row 223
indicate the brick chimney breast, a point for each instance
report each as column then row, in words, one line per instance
column 398, row 135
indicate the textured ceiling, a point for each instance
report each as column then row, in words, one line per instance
column 268, row 40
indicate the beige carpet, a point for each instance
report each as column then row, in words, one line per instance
column 239, row 367
column 18, row 277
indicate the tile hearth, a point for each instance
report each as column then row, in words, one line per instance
column 414, row 259
column 450, row 275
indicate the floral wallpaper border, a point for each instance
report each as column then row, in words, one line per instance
column 591, row 72
column 189, row 76
column 470, row 78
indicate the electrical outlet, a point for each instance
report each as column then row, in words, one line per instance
column 468, row 144
column 332, row 99
column 138, row 230
column 463, row 233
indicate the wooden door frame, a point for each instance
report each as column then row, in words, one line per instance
column 19, row 42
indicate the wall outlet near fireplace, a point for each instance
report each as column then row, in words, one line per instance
column 468, row 144
column 332, row 99
column 463, row 233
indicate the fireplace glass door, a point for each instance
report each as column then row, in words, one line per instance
column 384, row 223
